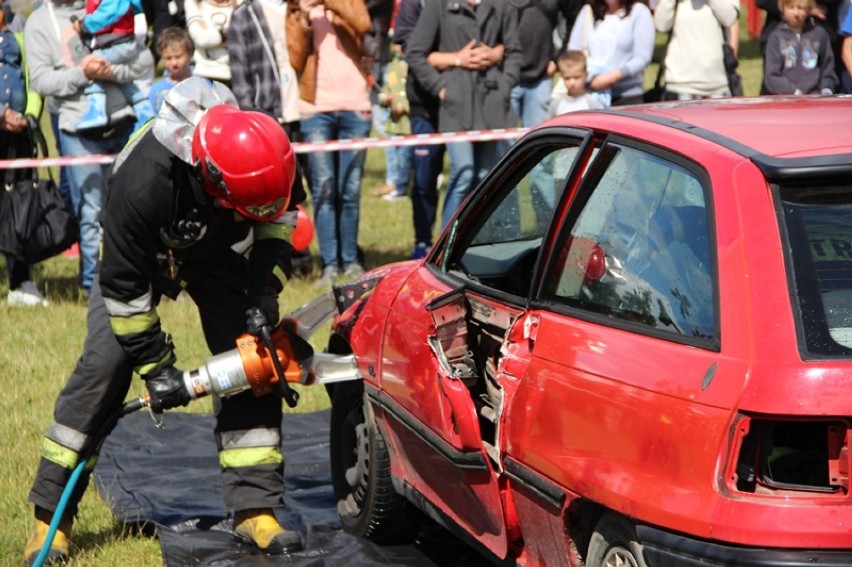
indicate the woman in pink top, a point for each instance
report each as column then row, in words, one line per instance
column 326, row 51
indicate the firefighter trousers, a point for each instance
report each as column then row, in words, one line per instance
column 248, row 428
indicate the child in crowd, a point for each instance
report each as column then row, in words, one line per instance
column 175, row 47
column 572, row 68
column 393, row 97
column 799, row 57
column 110, row 33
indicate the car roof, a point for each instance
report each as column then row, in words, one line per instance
column 790, row 136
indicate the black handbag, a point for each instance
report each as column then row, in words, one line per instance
column 35, row 221
column 735, row 82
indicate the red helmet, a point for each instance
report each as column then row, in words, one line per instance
column 246, row 161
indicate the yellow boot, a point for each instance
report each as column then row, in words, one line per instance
column 58, row 554
column 261, row 528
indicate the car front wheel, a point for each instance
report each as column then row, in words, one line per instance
column 614, row 543
column 367, row 503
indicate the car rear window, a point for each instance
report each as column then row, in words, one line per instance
column 819, row 232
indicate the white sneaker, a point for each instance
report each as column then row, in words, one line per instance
column 27, row 295
column 353, row 270
column 328, row 277
column 394, row 196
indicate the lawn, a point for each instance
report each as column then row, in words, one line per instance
column 42, row 345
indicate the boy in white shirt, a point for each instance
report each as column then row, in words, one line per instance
column 572, row 69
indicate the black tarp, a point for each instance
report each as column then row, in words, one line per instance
column 169, row 477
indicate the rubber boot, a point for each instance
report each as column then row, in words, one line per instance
column 142, row 107
column 58, row 554
column 95, row 116
column 261, row 528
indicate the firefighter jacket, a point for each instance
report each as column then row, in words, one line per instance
column 158, row 224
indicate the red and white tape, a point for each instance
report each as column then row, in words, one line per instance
column 305, row 147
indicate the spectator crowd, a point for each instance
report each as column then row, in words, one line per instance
column 335, row 69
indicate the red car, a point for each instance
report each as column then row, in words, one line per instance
column 632, row 346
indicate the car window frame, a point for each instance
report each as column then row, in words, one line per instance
column 502, row 178
column 574, row 207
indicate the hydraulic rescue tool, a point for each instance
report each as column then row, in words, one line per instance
column 269, row 359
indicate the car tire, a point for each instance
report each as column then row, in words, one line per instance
column 367, row 504
column 614, row 542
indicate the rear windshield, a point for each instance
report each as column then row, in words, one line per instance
column 819, row 233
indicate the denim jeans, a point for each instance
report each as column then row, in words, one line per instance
column 64, row 189
column 531, row 101
column 400, row 172
column 118, row 53
column 469, row 163
column 428, row 162
column 397, row 158
column 85, row 185
column 336, row 183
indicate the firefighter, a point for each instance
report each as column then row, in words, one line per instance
column 202, row 201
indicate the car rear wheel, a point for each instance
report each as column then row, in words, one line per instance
column 367, row 503
column 614, row 543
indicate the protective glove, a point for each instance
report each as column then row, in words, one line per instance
column 266, row 302
column 166, row 389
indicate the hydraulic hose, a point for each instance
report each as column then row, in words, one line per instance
column 107, row 426
column 60, row 510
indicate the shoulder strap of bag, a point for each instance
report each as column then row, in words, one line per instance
column 15, row 149
column 38, row 142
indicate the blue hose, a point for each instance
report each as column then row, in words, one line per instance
column 127, row 408
column 60, row 510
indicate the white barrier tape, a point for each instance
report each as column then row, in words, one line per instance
column 304, row 147
column 411, row 140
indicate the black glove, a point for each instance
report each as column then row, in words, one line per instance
column 166, row 389
column 265, row 301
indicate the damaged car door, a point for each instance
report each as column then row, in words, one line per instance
column 452, row 338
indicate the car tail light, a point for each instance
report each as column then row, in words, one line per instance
column 792, row 455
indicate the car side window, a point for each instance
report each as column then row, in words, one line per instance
column 501, row 242
column 640, row 248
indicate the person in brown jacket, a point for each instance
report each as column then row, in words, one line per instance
column 325, row 41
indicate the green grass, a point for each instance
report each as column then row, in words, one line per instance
column 41, row 347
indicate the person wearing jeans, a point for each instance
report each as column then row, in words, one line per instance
column 469, row 163
column 428, row 163
column 85, row 185
column 335, row 180
column 536, row 24
column 49, row 37
column 427, row 159
column 468, row 55
column 325, row 41
column 532, row 101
